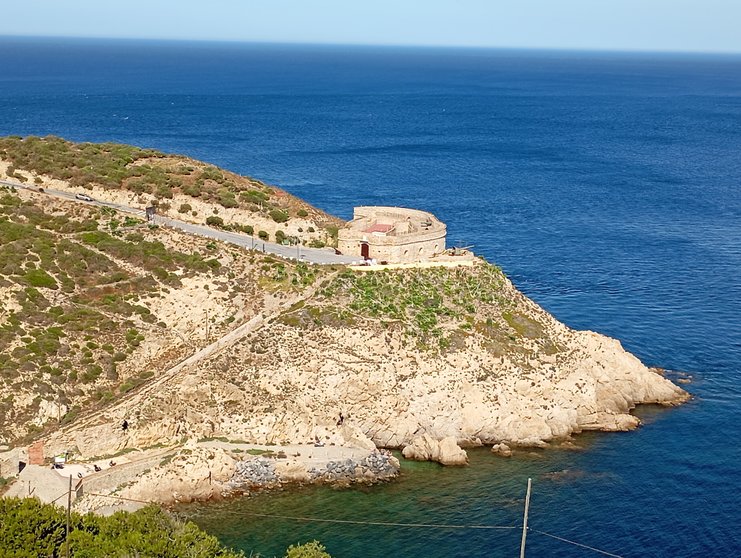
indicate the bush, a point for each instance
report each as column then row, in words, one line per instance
column 226, row 199
column 278, row 215
column 214, row 221
column 184, row 208
column 302, row 213
column 31, row 528
column 40, row 278
column 280, row 236
column 263, row 235
column 313, row 549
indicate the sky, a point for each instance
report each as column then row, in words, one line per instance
column 633, row 25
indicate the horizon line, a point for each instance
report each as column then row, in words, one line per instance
column 595, row 50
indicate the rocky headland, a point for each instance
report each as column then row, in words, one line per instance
column 299, row 358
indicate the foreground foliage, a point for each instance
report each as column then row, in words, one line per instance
column 29, row 528
column 150, row 173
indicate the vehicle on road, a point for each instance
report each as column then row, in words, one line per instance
column 83, row 197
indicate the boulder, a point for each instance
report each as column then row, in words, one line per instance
column 445, row 451
column 502, row 449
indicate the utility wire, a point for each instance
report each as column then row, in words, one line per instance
column 58, row 497
column 382, row 523
column 604, row 552
column 116, row 497
column 430, row 526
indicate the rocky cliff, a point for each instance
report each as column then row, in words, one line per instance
column 391, row 356
column 180, row 339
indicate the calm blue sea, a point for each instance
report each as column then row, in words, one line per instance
column 608, row 187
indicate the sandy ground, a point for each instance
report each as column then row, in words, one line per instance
column 312, row 456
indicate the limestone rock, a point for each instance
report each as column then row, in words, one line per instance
column 445, row 451
column 292, row 471
column 502, row 449
column 192, row 474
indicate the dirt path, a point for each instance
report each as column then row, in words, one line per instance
column 135, row 397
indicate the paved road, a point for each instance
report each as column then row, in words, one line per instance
column 311, row 255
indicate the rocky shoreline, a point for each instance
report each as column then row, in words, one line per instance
column 261, row 472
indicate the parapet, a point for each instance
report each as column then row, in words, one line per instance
column 393, row 235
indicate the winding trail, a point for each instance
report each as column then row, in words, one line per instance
column 136, row 395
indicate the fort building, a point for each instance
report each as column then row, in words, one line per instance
column 393, row 235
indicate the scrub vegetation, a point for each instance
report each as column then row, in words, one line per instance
column 154, row 174
column 31, row 529
column 74, row 305
column 437, row 308
column 78, row 292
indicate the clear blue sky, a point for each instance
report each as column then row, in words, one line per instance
column 667, row 25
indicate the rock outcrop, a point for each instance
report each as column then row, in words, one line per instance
column 428, row 359
column 362, row 383
column 445, row 451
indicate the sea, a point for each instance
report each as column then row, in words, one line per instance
column 606, row 185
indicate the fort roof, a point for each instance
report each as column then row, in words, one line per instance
column 379, row 228
column 393, row 234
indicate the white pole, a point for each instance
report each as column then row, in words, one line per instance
column 69, row 505
column 524, row 519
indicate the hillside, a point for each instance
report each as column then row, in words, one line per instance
column 177, row 186
column 94, row 303
column 204, row 350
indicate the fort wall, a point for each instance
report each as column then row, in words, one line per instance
column 392, row 234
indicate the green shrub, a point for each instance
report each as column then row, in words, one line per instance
column 263, row 235
column 280, row 236
column 40, row 278
column 185, row 208
column 253, row 196
column 226, row 199
column 302, row 213
column 313, row 549
column 278, row 215
column 31, row 528
column 192, row 190
column 215, row 221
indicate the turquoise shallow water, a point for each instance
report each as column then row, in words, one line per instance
column 607, row 186
column 571, row 490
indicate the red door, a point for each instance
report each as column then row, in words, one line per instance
column 365, row 250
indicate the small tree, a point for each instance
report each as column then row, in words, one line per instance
column 313, row 549
column 214, row 221
column 263, row 235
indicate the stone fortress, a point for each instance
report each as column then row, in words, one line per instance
column 392, row 235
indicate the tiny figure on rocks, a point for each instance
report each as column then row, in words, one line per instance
column 96, row 467
column 341, row 420
column 111, row 463
column 125, row 425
